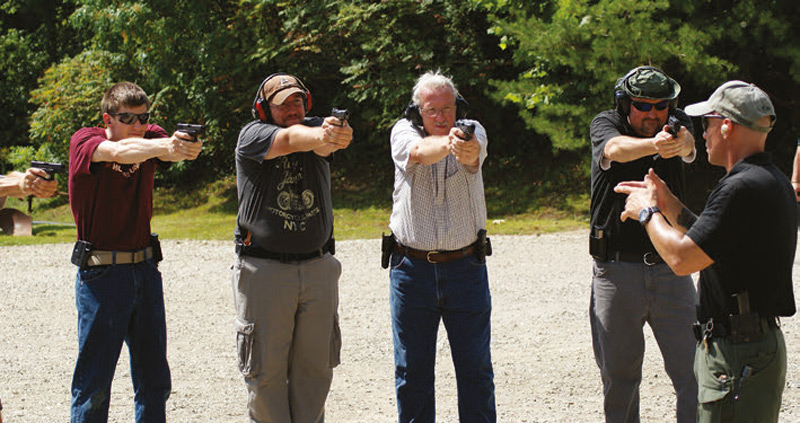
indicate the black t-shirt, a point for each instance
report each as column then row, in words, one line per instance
column 607, row 205
column 749, row 229
column 284, row 202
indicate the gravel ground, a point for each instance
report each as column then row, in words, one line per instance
column 541, row 344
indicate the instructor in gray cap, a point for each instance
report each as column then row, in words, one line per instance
column 631, row 285
column 743, row 244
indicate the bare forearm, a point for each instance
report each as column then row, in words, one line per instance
column 10, row 185
column 796, row 168
column 678, row 215
column 682, row 255
column 294, row 139
column 430, row 150
column 623, row 149
column 131, row 150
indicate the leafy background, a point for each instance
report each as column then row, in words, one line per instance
column 535, row 73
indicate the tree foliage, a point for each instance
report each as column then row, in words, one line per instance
column 573, row 51
column 535, row 73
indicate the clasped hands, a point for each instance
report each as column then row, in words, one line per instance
column 668, row 146
column 33, row 182
column 465, row 151
column 336, row 137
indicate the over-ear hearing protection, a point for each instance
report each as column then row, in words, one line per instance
column 622, row 101
column 412, row 111
column 261, row 104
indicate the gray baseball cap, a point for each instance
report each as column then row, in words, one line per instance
column 742, row 102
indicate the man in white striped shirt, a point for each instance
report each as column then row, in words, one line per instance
column 438, row 269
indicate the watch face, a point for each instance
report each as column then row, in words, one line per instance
column 644, row 215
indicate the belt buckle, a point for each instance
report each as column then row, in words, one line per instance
column 428, row 256
column 649, row 258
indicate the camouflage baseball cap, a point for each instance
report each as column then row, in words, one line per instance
column 649, row 82
column 740, row 101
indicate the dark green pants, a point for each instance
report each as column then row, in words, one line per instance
column 741, row 382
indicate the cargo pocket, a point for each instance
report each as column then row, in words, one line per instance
column 244, row 347
column 336, row 342
column 712, row 378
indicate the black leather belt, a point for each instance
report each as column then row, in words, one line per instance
column 648, row 258
column 435, row 256
column 255, row 251
column 721, row 328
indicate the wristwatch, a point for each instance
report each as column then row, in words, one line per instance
column 647, row 213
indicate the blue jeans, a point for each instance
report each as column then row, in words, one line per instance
column 120, row 303
column 456, row 293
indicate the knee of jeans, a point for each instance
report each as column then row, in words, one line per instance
column 91, row 400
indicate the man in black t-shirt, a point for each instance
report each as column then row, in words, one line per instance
column 631, row 285
column 743, row 244
column 285, row 279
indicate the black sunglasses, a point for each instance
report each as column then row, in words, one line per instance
column 130, row 118
column 646, row 107
column 705, row 119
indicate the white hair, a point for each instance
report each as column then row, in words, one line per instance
column 431, row 81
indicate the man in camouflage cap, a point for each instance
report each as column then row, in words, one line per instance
column 743, row 244
column 631, row 284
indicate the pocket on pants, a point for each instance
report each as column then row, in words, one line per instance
column 336, row 342
column 245, row 334
column 713, row 376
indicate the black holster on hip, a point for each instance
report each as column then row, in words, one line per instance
column 388, row 244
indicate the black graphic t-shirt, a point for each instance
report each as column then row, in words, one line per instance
column 284, row 202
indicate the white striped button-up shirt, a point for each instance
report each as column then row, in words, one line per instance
column 437, row 207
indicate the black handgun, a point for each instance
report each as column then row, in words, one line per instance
column 50, row 168
column 192, row 129
column 341, row 114
column 673, row 126
column 467, row 128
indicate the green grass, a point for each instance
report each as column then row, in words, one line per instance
column 209, row 213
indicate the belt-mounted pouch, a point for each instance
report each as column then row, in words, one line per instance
column 745, row 327
column 155, row 244
column 598, row 243
column 80, row 253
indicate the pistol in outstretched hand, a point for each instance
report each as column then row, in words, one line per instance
column 341, row 114
column 192, row 129
column 50, row 168
column 673, row 126
column 467, row 128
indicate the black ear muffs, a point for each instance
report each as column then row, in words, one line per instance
column 412, row 111
column 413, row 115
column 622, row 102
column 260, row 106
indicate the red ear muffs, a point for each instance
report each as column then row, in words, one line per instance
column 259, row 111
